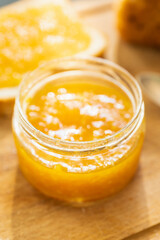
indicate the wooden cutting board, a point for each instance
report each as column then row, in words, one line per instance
column 132, row 214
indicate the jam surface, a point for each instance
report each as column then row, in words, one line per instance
column 79, row 111
column 30, row 36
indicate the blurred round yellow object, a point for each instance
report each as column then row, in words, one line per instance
column 32, row 33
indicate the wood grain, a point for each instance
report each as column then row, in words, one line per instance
column 134, row 213
column 152, row 233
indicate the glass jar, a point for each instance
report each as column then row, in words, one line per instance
column 79, row 172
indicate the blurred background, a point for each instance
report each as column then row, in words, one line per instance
column 5, row 2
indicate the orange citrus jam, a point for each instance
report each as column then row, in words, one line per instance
column 32, row 35
column 79, row 111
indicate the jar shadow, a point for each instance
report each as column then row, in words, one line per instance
column 36, row 216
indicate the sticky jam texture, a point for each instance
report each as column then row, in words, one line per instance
column 79, row 111
column 33, row 35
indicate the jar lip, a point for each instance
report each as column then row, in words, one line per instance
column 61, row 144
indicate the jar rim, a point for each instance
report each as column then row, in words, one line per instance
column 107, row 141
